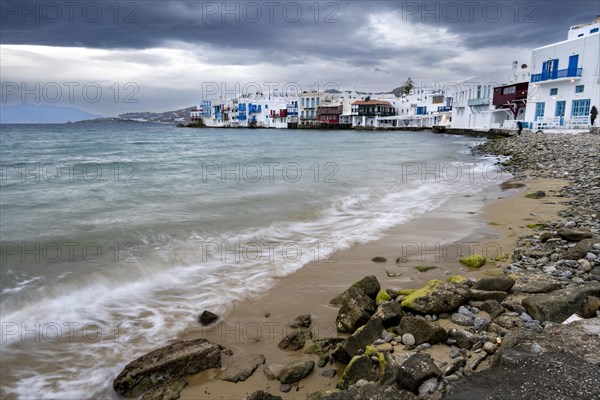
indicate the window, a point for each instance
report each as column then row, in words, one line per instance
column 580, row 35
column 303, row 102
column 318, row 100
column 553, row 91
column 579, row 88
column 560, row 109
column 509, row 90
column 539, row 110
column 593, row 30
column 580, row 108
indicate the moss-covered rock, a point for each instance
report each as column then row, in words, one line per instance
column 425, row 268
column 359, row 367
column 405, row 292
column 435, row 298
column 458, row 279
column 314, row 348
column 382, row 296
column 474, row 261
column 536, row 195
column 321, row 394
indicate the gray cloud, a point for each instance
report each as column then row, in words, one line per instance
column 377, row 43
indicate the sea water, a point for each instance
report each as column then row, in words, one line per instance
column 114, row 237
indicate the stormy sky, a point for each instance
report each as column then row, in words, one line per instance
column 109, row 57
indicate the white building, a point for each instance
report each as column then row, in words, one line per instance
column 310, row 101
column 472, row 106
column 261, row 111
column 565, row 80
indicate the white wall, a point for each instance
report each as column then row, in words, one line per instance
column 588, row 48
column 478, row 87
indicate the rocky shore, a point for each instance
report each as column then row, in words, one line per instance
column 529, row 329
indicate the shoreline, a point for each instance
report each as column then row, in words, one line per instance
column 437, row 236
column 545, row 230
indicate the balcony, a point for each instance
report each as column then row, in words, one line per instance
column 254, row 108
column 482, row 101
column 558, row 74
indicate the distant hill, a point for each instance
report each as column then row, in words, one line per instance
column 42, row 114
column 167, row 117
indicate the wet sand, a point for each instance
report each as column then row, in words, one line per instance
column 438, row 238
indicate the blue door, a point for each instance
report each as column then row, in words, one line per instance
column 573, row 61
column 555, row 68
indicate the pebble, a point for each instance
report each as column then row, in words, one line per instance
column 454, row 352
column 408, row 339
column 423, row 346
column 465, row 311
column 461, row 319
column 361, row 383
column 480, row 324
column 386, row 336
column 490, row 348
column 329, row 373
column 526, row 317
column 285, row 388
column 428, row 387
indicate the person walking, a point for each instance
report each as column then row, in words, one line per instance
column 519, row 127
column 593, row 115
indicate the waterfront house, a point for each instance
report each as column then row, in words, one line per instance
column 310, row 101
column 565, row 80
column 472, row 99
column 510, row 101
column 329, row 115
column 365, row 112
column 292, row 113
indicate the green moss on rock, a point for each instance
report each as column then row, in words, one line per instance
column 382, row 297
column 424, row 291
column 314, row 348
column 425, row 268
column 405, row 292
column 474, row 261
column 458, row 279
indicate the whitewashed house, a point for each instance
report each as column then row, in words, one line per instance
column 472, row 106
column 565, row 80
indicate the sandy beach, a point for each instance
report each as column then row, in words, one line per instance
column 434, row 239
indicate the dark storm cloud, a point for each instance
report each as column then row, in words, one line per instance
column 282, row 29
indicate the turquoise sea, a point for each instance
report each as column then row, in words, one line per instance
column 114, row 237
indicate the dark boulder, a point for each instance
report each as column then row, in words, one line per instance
column 559, row 305
column 416, row 370
column 166, row 364
column 363, row 336
column 495, row 283
column 423, row 331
